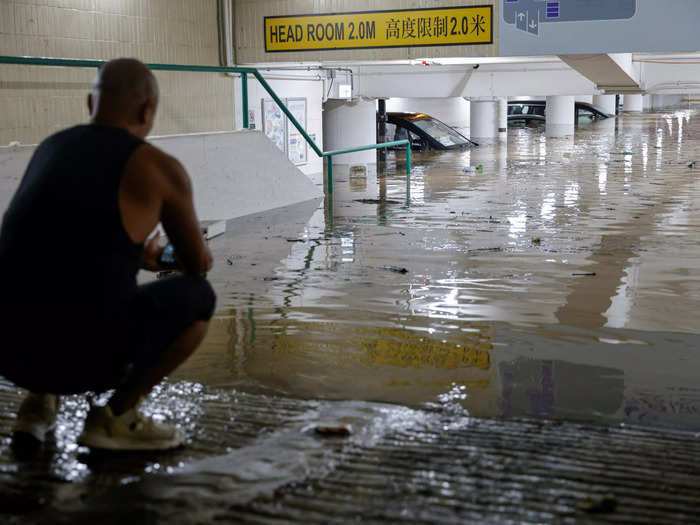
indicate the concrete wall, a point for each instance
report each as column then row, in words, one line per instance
column 291, row 84
column 669, row 76
column 348, row 124
column 37, row 101
column 415, row 81
column 537, row 79
column 250, row 37
column 13, row 162
column 233, row 173
column 669, row 101
column 453, row 111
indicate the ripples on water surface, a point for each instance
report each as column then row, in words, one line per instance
column 560, row 282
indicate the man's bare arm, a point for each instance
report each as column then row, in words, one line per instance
column 180, row 219
column 156, row 188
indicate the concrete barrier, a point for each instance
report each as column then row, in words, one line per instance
column 233, row 173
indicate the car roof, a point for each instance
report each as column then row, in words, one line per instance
column 410, row 116
column 577, row 103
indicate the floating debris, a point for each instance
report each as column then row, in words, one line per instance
column 397, row 269
column 377, row 201
column 473, row 169
column 496, row 249
column 691, row 164
column 334, row 428
column 358, row 170
column 584, row 274
column 601, row 505
column 536, row 240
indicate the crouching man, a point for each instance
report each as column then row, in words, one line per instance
column 72, row 240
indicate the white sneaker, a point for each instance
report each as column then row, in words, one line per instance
column 36, row 416
column 129, row 431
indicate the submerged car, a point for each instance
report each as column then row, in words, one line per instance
column 424, row 132
column 532, row 112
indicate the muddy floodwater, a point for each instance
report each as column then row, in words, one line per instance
column 561, row 281
column 519, row 343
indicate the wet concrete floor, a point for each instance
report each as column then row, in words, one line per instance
column 513, row 344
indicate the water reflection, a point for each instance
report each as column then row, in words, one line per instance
column 539, row 286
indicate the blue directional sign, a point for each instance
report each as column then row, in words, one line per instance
column 527, row 15
column 561, row 27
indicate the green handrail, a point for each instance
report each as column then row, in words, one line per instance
column 244, row 72
column 330, row 154
column 79, row 62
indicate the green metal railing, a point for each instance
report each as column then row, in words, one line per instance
column 244, row 72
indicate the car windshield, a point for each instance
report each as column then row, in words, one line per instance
column 526, row 109
column 441, row 132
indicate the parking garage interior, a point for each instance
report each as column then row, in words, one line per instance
column 492, row 319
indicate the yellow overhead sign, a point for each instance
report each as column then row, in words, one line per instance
column 448, row 26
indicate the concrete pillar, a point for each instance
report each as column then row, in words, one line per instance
column 584, row 98
column 347, row 124
column 647, row 102
column 560, row 116
column 503, row 117
column 453, row 111
column 464, row 130
column 605, row 103
column 633, row 104
column 484, row 119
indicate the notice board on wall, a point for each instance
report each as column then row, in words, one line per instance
column 296, row 143
column 283, row 133
column 274, row 123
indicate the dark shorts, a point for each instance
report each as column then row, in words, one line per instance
column 70, row 346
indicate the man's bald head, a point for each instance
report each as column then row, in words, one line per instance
column 124, row 94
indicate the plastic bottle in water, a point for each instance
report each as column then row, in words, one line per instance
column 473, row 169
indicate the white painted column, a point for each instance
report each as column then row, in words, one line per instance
column 453, row 111
column 350, row 124
column 647, row 102
column 606, row 103
column 503, row 118
column 560, row 116
column 633, row 104
column 466, row 130
column 484, row 119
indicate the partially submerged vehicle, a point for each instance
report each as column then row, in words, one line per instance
column 424, row 132
column 533, row 113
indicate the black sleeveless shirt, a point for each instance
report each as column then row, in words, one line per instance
column 62, row 234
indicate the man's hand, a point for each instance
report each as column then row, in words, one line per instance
column 151, row 253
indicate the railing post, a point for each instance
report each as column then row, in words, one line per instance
column 330, row 174
column 408, row 158
column 244, row 96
